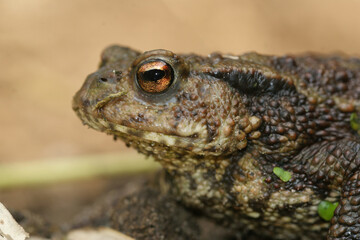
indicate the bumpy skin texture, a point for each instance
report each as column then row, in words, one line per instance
column 226, row 121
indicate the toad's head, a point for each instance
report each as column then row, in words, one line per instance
column 164, row 104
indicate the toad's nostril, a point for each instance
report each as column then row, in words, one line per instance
column 103, row 79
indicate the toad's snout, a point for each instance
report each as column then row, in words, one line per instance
column 82, row 98
column 97, row 86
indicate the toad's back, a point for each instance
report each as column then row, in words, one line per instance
column 223, row 126
column 320, row 76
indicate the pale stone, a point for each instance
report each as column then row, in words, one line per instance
column 9, row 228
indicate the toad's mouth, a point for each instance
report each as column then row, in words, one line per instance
column 190, row 138
column 86, row 111
column 189, row 143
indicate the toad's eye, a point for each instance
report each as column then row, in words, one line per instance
column 155, row 76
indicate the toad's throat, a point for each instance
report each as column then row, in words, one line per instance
column 166, row 139
column 187, row 143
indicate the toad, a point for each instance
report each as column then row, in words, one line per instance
column 258, row 143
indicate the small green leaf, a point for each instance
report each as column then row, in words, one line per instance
column 326, row 209
column 282, row 174
column 355, row 121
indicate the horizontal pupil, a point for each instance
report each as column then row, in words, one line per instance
column 154, row 75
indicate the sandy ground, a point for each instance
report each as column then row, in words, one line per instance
column 48, row 47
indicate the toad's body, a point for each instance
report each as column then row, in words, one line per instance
column 220, row 124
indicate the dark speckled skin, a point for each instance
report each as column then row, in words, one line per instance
column 225, row 123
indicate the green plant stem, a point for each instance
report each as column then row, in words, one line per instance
column 72, row 168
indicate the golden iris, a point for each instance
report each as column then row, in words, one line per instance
column 155, row 76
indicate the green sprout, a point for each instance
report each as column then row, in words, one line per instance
column 282, row 174
column 326, row 209
column 355, row 122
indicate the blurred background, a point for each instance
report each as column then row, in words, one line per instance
column 47, row 48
